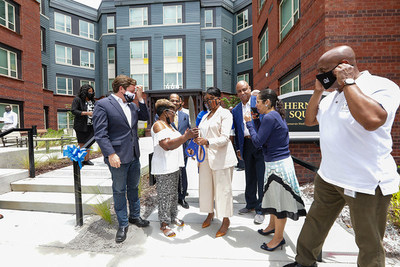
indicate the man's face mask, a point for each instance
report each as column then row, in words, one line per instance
column 327, row 78
column 7, row 109
column 129, row 96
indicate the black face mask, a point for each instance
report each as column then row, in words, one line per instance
column 168, row 120
column 7, row 110
column 90, row 95
column 327, row 78
column 129, row 98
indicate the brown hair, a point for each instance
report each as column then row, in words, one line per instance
column 163, row 104
column 124, row 81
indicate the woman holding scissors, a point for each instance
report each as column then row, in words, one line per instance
column 215, row 172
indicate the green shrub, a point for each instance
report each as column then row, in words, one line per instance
column 102, row 208
column 394, row 209
column 141, row 132
column 230, row 101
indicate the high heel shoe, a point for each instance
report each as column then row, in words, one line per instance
column 207, row 222
column 261, row 232
column 265, row 247
column 222, row 233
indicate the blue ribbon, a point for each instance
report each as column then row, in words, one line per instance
column 75, row 153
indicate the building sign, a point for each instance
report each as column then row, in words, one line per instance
column 295, row 104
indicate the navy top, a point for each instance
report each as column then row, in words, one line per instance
column 272, row 134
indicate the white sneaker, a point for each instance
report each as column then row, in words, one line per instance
column 259, row 219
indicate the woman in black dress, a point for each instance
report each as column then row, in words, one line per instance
column 82, row 108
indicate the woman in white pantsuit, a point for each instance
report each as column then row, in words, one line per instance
column 215, row 172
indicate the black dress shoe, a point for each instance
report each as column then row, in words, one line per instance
column 139, row 222
column 295, row 264
column 87, row 162
column 121, row 234
column 183, row 203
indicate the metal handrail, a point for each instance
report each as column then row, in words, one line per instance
column 31, row 132
column 78, row 186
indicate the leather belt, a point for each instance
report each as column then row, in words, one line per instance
column 247, row 137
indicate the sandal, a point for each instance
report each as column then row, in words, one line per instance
column 179, row 223
column 167, row 231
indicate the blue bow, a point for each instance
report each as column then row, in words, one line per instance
column 75, row 153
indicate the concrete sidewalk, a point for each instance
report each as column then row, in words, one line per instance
column 43, row 239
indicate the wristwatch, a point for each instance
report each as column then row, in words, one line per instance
column 349, row 81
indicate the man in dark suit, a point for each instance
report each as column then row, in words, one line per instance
column 254, row 165
column 181, row 123
column 115, row 130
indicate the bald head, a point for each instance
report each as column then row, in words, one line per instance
column 336, row 56
column 243, row 91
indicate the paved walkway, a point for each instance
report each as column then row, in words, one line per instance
column 41, row 239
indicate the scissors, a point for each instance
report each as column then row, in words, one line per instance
column 194, row 149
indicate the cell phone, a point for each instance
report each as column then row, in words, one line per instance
column 254, row 110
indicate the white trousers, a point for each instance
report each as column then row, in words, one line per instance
column 215, row 185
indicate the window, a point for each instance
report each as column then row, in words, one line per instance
column 8, row 63
column 7, row 15
column 173, row 64
column 44, row 76
column 64, row 86
column 209, row 59
column 139, row 62
column 263, row 47
column 41, row 7
column 260, row 4
column 138, row 16
column 87, row 59
column 172, row 14
column 243, row 77
column 111, row 55
column 110, row 24
column 209, row 20
column 242, row 51
column 91, row 83
column 242, row 20
column 62, row 22
column 42, row 39
column 63, row 55
column 111, row 63
column 86, row 29
column 64, row 120
column 290, row 82
column 289, row 14
column 15, row 108
column 110, row 81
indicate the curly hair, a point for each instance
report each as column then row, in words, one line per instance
column 83, row 91
column 163, row 104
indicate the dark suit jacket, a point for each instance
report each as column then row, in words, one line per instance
column 80, row 121
column 112, row 131
column 238, row 123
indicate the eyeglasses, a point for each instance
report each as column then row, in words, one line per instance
column 168, row 110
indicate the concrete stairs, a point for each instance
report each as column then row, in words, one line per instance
column 54, row 191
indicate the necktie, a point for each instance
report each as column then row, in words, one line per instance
column 176, row 120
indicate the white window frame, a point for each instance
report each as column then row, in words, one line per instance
column 293, row 83
column 263, row 55
column 67, row 22
column 242, row 77
column 144, row 19
column 91, row 83
column 292, row 19
column 209, row 57
column 178, row 53
column 206, row 23
column 90, row 27
column 10, row 72
column 68, row 91
column 144, row 56
column 145, row 49
column 69, row 124
column 110, row 24
column 6, row 20
column 178, row 14
column 246, row 54
column 110, row 61
column 110, row 81
column 245, row 24
column 43, row 77
column 68, row 61
column 144, row 79
column 90, row 57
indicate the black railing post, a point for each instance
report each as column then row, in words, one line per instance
column 31, row 132
column 78, row 194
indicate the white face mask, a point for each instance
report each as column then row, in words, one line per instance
column 129, row 96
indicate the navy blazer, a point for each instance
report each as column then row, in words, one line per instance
column 237, row 113
column 112, row 131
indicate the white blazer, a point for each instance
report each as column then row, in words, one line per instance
column 217, row 130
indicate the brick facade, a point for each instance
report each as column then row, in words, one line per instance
column 26, row 90
column 371, row 28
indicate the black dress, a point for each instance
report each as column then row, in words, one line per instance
column 83, row 125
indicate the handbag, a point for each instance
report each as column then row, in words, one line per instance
column 152, row 178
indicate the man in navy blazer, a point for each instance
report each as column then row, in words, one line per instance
column 181, row 123
column 254, row 165
column 115, row 129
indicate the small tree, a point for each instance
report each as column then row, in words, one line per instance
column 230, row 101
